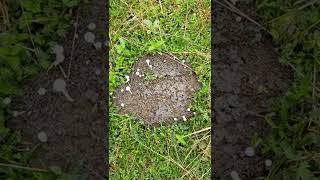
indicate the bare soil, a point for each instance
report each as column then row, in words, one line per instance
column 247, row 73
column 160, row 94
column 76, row 130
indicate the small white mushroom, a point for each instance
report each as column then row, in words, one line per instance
column 183, row 61
column 122, row 105
column 6, row 101
column 128, row 89
column 194, row 113
column 184, row 118
column 127, row 79
column 98, row 45
column 137, row 73
column 59, row 85
column 164, row 61
column 148, row 62
column 91, row 26
column 42, row 136
column 175, row 119
column 42, row 91
column 268, row 163
column 122, row 90
column 89, row 37
column 238, row 18
column 249, row 151
column 57, row 49
column 97, row 71
column 188, row 109
column 138, row 69
column 234, row 175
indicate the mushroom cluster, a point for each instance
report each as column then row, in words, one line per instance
column 90, row 37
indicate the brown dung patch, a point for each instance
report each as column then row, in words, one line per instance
column 159, row 93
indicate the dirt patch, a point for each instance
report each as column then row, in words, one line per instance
column 246, row 75
column 75, row 131
column 161, row 90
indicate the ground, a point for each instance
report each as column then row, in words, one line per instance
column 247, row 75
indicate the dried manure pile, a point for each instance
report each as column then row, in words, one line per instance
column 159, row 90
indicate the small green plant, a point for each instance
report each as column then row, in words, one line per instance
column 28, row 31
column 149, row 76
column 295, row 139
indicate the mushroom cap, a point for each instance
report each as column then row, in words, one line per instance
column 91, row 26
column 249, row 151
column 59, row 85
column 42, row 136
column 57, row 49
column 89, row 37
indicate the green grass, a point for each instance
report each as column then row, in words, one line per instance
column 138, row 28
column 294, row 142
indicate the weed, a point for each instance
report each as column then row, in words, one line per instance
column 295, row 138
column 28, row 30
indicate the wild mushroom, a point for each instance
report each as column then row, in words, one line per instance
column 268, row 162
column 249, row 151
column 42, row 136
column 98, row 45
column 6, row 101
column 59, row 85
column 188, row 109
column 122, row 105
column 57, row 49
column 91, row 26
column 127, row 79
column 89, row 37
column 184, row 118
column 175, row 119
column 234, row 175
column 128, row 89
column 42, row 91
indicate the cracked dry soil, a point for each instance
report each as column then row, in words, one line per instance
column 163, row 99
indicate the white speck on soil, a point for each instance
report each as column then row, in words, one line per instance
column 59, row 85
column 122, row 90
column 249, row 151
column 175, row 119
column 148, row 62
column 234, row 175
column 268, row 163
column 42, row 136
column 6, row 101
column 164, row 61
column 138, row 69
column 91, row 26
column 42, row 91
column 137, row 73
column 188, row 109
column 184, row 118
column 122, row 105
column 183, row 61
column 194, row 113
column 98, row 45
column 89, row 37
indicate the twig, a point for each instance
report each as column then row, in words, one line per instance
column 232, row 8
column 73, row 42
column 178, row 61
column 23, row 167
column 202, row 130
